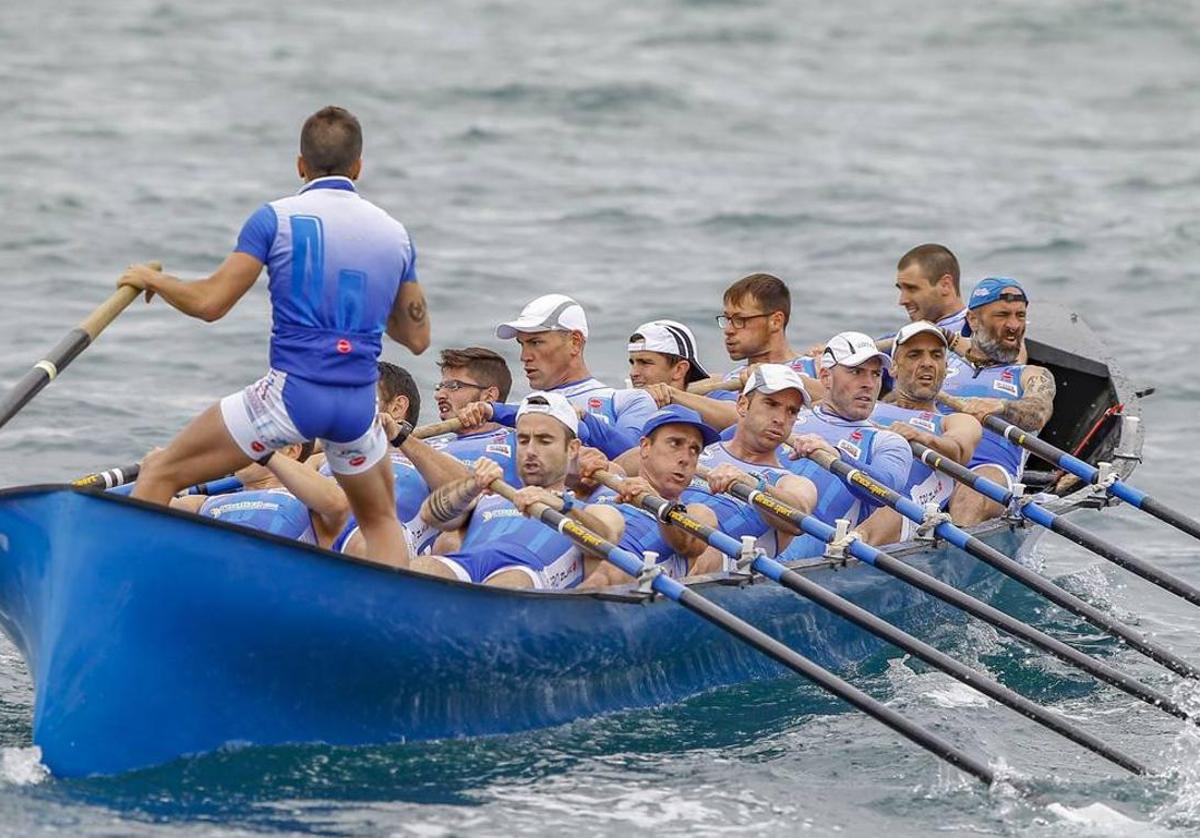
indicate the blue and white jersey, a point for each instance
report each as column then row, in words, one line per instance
column 275, row 511
column 643, row 533
column 410, row 487
column 925, row 485
column 498, row 533
column 956, row 322
column 803, row 365
column 499, row 445
column 883, row 455
column 614, row 418
column 999, row 381
column 335, row 262
column 735, row 518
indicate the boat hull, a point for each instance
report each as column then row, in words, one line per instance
column 169, row 635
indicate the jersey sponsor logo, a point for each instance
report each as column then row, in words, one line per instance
column 357, row 460
column 856, row 436
column 344, row 347
column 921, row 422
column 1005, row 386
column 595, row 404
column 850, row 448
column 257, row 447
column 510, row 512
column 498, row 448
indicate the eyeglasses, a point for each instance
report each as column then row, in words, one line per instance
column 453, row 384
column 738, row 321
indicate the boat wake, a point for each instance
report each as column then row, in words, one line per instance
column 22, row 766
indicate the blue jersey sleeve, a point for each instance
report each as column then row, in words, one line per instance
column 613, row 440
column 891, row 461
column 410, row 269
column 258, row 234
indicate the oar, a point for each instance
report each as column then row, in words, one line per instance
column 1043, row 517
column 710, row 385
column 109, row 478
column 67, row 350
column 1087, row 472
column 976, row 608
column 755, row 638
column 675, row 514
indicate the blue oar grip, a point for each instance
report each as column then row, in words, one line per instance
column 1127, row 493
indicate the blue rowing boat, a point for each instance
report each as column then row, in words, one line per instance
column 151, row 634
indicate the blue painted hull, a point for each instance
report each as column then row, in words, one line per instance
column 152, row 634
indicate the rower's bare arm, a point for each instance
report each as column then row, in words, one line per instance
column 797, row 492
column 436, row 467
column 602, row 519
column 716, row 413
column 207, row 299
column 447, row 507
column 321, row 494
column 1033, row 410
column 189, row 503
column 961, row 433
column 408, row 321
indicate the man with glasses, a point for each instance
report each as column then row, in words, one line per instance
column 469, row 375
column 990, row 380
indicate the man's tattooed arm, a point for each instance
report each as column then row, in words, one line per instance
column 446, row 505
column 1032, row 411
column 416, row 311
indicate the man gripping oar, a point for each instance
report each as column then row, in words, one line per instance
column 342, row 272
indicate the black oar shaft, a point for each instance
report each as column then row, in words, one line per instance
column 759, row 640
column 1086, row 471
column 109, row 478
column 67, row 350
column 976, row 608
column 1031, row 579
column 797, row 582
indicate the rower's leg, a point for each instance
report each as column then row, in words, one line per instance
column 514, row 578
column 968, row 507
column 883, row 526
column 202, row 451
column 432, row 566
column 372, row 498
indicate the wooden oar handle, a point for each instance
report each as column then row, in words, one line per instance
column 711, row 385
column 107, row 311
column 437, row 429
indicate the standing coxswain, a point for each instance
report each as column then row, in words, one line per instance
column 342, row 272
column 552, row 331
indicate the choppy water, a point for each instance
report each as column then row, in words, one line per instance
column 640, row 157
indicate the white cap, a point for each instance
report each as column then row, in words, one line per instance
column 670, row 338
column 852, row 349
column 773, row 378
column 548, row 313
column 918, row 327
column 551, row 404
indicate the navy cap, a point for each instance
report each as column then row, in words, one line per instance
column 989, row 291
column 677, row 414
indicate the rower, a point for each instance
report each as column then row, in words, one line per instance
column 469, row 375
column 663, row 352
column 342, row 272
column 552, row 331
column 264, row 504
column 919, row 353
column 927, row 278
column 668, row 452
column 852, row 373
column 494, row 542
column 990, row 380
column 757, row 309
column 767, row 410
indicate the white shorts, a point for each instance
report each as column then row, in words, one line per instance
column 258, row 420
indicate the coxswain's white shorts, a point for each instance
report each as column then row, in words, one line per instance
column 259, row 421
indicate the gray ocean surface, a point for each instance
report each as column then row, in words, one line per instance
column 639, row 157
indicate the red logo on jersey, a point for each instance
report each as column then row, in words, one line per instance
column 343, row 346
column 595, row 404
column 257, row 447
column 1006, row 375
column 357, row 461
column 856, row 435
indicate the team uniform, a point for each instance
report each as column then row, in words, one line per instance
column 276, row 511
column 613, row 418
column 643, row 533
column 500, row 538
column 956, row 322
column 411, row 490
column 734, row 517
column 925, row 485
column 335, row 263
column 1000, row 381
column 498, row 445
column 802, row 365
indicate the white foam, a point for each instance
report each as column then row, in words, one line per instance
column 22, row 766
column 956, row 694
column 1097, row 816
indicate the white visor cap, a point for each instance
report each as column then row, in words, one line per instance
column 550, row 404
column 919, row 327
column 773, row 378
column 852, row 349
column 548, row 313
